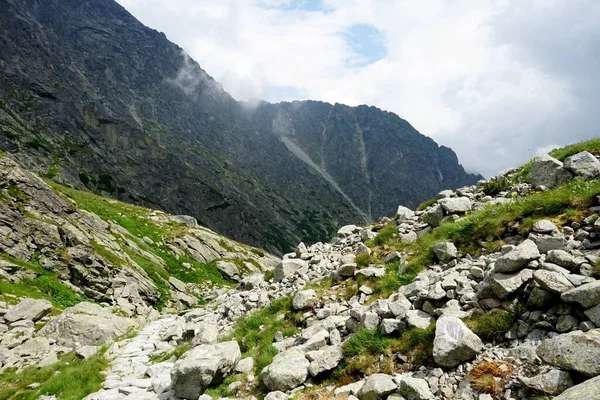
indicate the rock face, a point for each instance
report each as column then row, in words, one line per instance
column 574, row 351
column 287, row 371
column 454, row 343
column 85, row 324
column 202, row 366
column 212, row 157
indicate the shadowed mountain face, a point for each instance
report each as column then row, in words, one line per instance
column 91, row 97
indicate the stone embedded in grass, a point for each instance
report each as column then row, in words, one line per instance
column 518, row 257
column 548, row 172
column 445, row 251
column 454, row 343
column 433, row 216
column 324, row 359
column 29, row 309
column 583, row 164
column 418, row 319
column 544, row 226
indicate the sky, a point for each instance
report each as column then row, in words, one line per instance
column 498, row 81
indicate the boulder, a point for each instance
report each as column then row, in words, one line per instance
column 85, row 324
column 419, row 319
column 177, row 284
column 562, row 258
column 277, row 395
column 433, row 216
column 574, row 351
column 544, row 226
column 503, row 285
column 445, row 251
column 454, row 343
column 587, row 295
column 547, row 171
column 29, row 309
column 554, row 282
column 518, row 257
column 287, row 371
column 324, row 359
column 404, row 213
column 413, row 388
column 552, row 382
column 456, row 205
column 377, row 386
column 228, row 268
column 586, row 390
column 203, row 366
column 583, row 164
column 303, row 299
column 205, row 333
column 348, row 230
column 290, row 267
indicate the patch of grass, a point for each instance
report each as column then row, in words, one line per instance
column 492, row 325
column 176, row 352
column 427, row 203
column 226, row 245
column 491, row 376
column 269, row 275
column 255, row 333
column 386, row 235
column 593, row 146
column 496, row 185
column 69, row 379
column 363, row 260
column 364, row 350
column 222, row 389
column 107, row 254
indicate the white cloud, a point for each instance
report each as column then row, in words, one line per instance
column 496, row 80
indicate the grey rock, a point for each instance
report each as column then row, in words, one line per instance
column 583, row 164
column 348, row 230
column 389, row 326
column 85, row 324
column 594, row 315
column 553, row 382
column 287, row 371
column 29, row 309
column 575, row 351
column 433, row 216
column 413, row 388
column 562, row 258
column 518, row 257
column 303, row 299
column 177, row 284
column 290, row 267
column 566, row 323
column 445, row 251
column 377, row 386
column 404, row 213
column 503, row 285
column 547, row 171
column 544, row 226
column 324, row 359
column 205, row 333
column 553, row 282
column 418, row 319
column 228, row 268
column 245, row 365
column 346, row 270
column 203, row 366
column 277, row 395
column 86, row 352
column 546, row 243
column 586, row 390
column 588, row 295
column 454, row 343
column 455, row 205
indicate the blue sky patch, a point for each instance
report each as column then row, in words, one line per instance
column 367, row 42
column 305, row 5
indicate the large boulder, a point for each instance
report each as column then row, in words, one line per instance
column 586, row 390
column 583, row 164
column 552, row 382
column 287, row 371
column 456, row 205
column 587, row 295
column 574, row 351
column 433, row 215
column 324, row 359
column 29, row 309
column 454, row 343
column 547, row 171
column 304, row 299
column 289, row 267
column 554, row 282
column 518, row 257
column 503, row 285
column 404, row 213
column 85, row 324
column 203, row 366
column 377, row 386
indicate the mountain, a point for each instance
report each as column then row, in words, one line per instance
column 92, row 98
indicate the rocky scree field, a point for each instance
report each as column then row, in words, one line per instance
column 491, row 291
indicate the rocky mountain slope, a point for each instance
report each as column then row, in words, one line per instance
column 91, row 97
column 490, row 292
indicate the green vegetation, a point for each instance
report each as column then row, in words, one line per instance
column 496, row 185
column 255, row 333
column 425, row 204
column 386, row 235
column 176, row 352
column 363, row 351
column 44, row 286
column 222, row 389
column 363, row 260
column 593, row 146
column 70, row 379
column 493, row 325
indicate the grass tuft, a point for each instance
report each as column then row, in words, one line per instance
column 491, row 376
column 493, row 325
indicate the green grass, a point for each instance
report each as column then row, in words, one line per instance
column 364, row 351
column 593, row 146
column 176, row 352
column 427, row 203
column 69, row 379
column 256, row 342
column 363, row 260
column 222, row 389
column 496, row 185
column 492, row 326
column 386, row 235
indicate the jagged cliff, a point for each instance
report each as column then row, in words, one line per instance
column 91, row 97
